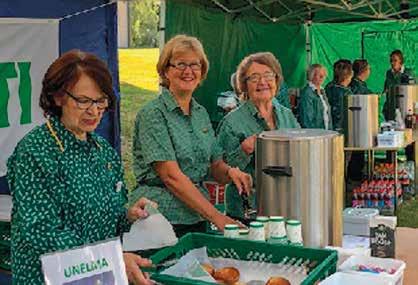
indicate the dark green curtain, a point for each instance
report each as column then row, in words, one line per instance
column 373, row 40
column 228, row 40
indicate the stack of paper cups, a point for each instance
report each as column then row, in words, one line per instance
column 277, row 229
column 231, row 231
column 257, row 232
column 294, row 232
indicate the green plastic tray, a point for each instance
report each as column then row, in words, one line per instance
column 218, row 246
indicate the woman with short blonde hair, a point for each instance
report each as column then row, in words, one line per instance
column 174, row 144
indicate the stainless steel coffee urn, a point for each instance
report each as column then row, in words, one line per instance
column 361, row 123
column 300, row 175
column 403, row 97
column 406, row 96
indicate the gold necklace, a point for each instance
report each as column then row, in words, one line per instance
column 54, row 135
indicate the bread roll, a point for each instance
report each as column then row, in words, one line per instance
column 227, row 275
column 277, row 280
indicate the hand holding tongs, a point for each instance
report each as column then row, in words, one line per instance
column 248, row 210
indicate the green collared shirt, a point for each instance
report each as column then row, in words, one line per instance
column 164, row 133
column 62, row 199
column 311, row 109
column 358, row 87
column 233, row 129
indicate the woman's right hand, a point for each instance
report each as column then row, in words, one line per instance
column 248, row 145
column 221, row 221
column 132, row 264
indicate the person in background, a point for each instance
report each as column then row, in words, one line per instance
column 259, row 77
column 174, row 144
column 396, row 75
column 314, row 109
column 361, row 69
column 337, row 89
column 67, row 182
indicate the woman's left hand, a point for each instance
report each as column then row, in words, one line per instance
column 137, row 211
column 242, row 180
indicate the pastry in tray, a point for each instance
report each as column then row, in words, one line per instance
column 277, row 280
column 227, row 275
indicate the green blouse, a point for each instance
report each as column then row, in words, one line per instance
column 164, row 133
column 335, row 94
column 233, row 129
column 63, row 196
column 311, row 109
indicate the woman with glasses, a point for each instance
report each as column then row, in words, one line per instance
column 174, row 144
column 259, row 77
column 66, row 181
column 314, row 109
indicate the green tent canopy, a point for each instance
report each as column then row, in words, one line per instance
column 297, row 33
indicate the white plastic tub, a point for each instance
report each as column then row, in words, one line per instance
column 357, row 221
column 342, row 278
column 386, row 263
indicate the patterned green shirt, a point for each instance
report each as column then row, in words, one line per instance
column 164, row 133
column 233, row 129
column 358, row 86
column 62, row 199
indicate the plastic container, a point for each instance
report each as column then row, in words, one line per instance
column 265, row 221
column 342, row 278
column 218, row 246
column 231, row 231
column 277, row 227
column 294, row 232
column 357, row 221
column 257, row 232
column 386, row 263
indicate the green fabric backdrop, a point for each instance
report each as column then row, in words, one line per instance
column 227, row 40
column 374, row 40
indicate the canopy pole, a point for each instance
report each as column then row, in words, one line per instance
column 308, row 49
column 161, row 29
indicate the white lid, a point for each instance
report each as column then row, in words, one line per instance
column 5, row 208
column 360, row 213
column 389, row 221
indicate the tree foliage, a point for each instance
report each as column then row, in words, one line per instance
column 144, row 17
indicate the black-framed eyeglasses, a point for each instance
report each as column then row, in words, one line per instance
column 85, row 103
column 195, row 66
column 256, row 77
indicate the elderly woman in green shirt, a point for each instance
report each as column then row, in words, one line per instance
column 259, row 77
column 314, row 109
column 67, row 182
column 174, row 143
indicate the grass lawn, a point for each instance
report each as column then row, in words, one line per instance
column 138, row 84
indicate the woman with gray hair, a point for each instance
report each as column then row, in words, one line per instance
column 314, row 109
column 259, row 77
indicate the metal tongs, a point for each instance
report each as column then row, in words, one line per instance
column 249, row 212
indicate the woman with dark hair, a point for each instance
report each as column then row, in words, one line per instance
column 337, row 89
column 397, row 74
column 67, row 182
column 361, row 69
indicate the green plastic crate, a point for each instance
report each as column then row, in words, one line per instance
column 218, row 246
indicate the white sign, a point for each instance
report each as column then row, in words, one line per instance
column 27, row 48
column 98, row 264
